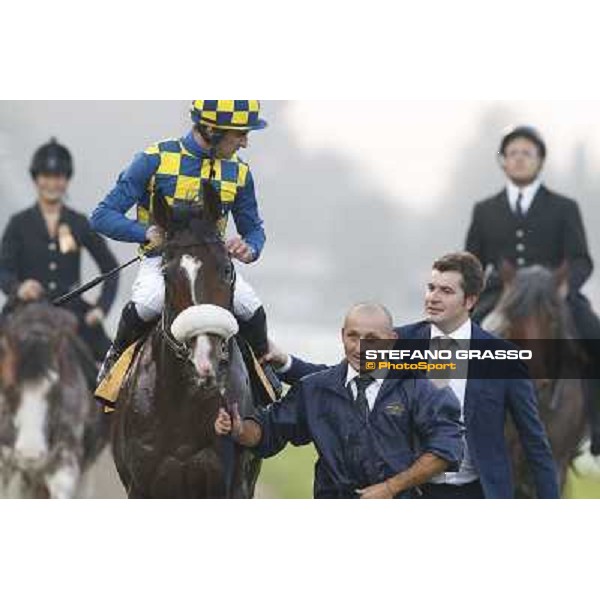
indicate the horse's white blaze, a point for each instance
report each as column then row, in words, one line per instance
column 191, row 266
column 202, row 356
column 30, row 419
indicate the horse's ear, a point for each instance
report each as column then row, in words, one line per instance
column 213, row 208
column 161, row 211
column 561, row 278
column 508, row 272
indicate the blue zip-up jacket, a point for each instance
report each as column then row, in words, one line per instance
column 410, row 417
column 487, row 404
column 109, row 218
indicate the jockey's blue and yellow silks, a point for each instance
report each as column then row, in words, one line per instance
column 176, row 168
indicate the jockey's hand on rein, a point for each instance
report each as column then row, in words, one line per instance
column 239, row 249
column 155, row 236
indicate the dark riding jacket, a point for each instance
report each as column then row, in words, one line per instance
column 550, row 232
column 28, row 252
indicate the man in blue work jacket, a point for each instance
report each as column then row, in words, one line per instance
column 177, row 168
column 376, row 438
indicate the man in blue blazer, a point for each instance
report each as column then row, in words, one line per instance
column 485, row 472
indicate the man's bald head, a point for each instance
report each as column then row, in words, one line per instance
column 365, row 321
column 371, row 311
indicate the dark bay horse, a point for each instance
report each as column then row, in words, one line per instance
column 189, row 366
column 533, row 307
column 51, row 430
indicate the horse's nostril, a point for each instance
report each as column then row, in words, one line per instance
column 204, row 368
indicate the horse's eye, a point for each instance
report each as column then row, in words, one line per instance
column 228, row 272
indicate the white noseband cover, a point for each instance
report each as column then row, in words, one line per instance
column 202, row 319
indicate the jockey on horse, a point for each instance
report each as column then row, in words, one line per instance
column 528, row 224
column 176, row 168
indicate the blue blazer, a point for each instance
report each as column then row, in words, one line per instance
column 487, row 403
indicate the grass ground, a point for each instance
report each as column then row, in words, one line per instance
column 290, row 475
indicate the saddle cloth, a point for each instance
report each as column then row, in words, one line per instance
column 108, row 390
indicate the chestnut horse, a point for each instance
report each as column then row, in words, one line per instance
column 533, row 307
column 164, row 441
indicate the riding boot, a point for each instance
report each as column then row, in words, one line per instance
column 254, row 331
column 131, row 328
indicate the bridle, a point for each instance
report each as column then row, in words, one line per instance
column 182, row 350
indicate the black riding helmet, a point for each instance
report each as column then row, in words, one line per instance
column 523, row 131
column 52, row 159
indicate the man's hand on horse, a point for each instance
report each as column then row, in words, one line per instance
column 155, row 236
column 276, row 357
column 226, row 425
column 30, row 290
column 94, row 317
column 239, row 249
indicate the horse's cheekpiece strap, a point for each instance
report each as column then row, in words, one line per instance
column 181, row 350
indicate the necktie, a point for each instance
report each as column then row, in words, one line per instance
column 519, row 207
column 362, row 383
column 442, row 378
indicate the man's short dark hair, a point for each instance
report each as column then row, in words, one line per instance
column 468, row 265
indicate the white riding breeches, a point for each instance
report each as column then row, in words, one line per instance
column 148, row 292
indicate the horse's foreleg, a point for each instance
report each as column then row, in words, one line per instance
column 63, row 479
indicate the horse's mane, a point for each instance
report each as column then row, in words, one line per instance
column 534, row 291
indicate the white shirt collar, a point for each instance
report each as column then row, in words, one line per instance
column 351, row 374
column 460, row 333
column 378, row 376
column 528, row 192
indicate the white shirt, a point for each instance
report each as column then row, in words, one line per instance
column 467, row 472
column 528, row 192
column 372, row 389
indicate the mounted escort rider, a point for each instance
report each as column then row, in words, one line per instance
column 527, row 224
column 41, row 250
column 177, row 168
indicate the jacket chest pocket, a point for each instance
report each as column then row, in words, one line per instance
column 393, row 418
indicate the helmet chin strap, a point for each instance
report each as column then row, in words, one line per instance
column 213, row 139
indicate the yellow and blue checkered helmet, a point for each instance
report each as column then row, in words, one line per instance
column 240, row 115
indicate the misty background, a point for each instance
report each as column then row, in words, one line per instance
column 358, row 200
